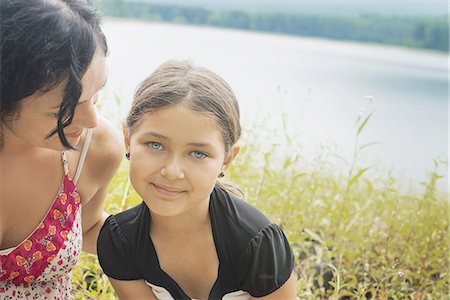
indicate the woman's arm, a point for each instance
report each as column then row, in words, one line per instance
column 102, row 161
column 93, row 219
column 132, row 289
column 286, row 292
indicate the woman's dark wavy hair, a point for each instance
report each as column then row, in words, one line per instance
column 44, row 43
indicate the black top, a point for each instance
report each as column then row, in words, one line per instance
column 254, row 254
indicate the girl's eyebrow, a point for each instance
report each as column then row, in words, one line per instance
column 202, row 145
column 155, row 134
column 161, row 136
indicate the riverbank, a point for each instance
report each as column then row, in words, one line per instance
column 426, row 32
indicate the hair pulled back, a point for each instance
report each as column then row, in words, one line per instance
column 199, row 89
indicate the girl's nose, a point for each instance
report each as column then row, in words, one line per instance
column 172, row 170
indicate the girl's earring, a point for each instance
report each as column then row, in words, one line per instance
column 127, row 155
column 221, row 175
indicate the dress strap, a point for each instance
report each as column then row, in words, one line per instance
column 65, row 163
column 84, row 151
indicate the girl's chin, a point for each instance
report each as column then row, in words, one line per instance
column 163, row 208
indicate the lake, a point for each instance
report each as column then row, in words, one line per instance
column 311, row 89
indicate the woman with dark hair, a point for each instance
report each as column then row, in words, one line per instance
column 56, row 155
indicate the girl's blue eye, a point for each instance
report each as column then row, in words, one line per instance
column 198, row 154
column 155, row 145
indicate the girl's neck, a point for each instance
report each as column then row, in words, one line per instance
column 192, row 221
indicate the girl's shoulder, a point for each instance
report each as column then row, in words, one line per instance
column 229, row 210
column 256, row 250
column 121, row 238
column 236, row 223
column 125, row 224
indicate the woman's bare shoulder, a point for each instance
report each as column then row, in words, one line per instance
column 106, row 149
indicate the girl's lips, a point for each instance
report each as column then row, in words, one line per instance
column 167, row 191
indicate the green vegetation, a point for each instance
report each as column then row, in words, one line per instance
column 419, row 32
column 354, row 236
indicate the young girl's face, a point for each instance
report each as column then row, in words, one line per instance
column 176, row 155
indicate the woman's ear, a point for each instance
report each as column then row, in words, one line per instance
column 231, row 156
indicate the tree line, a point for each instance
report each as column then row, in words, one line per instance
column 418, row 32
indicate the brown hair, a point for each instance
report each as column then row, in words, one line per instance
column 199, row 89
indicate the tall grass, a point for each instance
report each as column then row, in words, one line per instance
column 354, row 236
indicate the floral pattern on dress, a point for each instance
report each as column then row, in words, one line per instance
column 40, row 266
column 55, row 282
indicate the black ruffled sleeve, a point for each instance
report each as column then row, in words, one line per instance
column 115, row 254
column 267, row 262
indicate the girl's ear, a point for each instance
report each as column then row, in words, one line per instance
column 231, row 156
column 126, row 137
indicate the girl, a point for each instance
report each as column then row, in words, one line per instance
column 52, row 67
column 190, row 238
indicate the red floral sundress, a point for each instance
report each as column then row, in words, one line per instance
column 40, row 266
